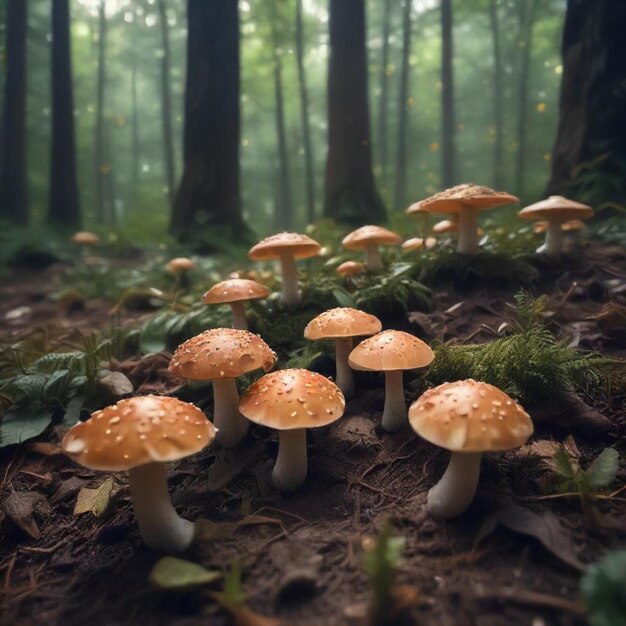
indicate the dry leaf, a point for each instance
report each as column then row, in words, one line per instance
column 21, row 506
column 96, row 500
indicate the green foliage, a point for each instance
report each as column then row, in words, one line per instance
column 173, row 573
column 604, row 590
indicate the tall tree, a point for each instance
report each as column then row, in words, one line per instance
column 209, row 191
column 135, row 142
column 63, row 204
column 448, row 151
column 592, row 107
column 384, row 92
column 498, row 117
column 101, row 166
column 166, row 105
column 13, row 183
column 350, row 193
column 304, row 116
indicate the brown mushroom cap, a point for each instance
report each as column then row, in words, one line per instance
column 342, row 322
column 292, row 398
column 540, row 227
column 470, row 416
column 370, row 236
column 221, row 353
column 390, row 350
column 455, row 199
column 137, row 431
column 417, row 243
column 84, row 237
column 300, row 246
column 556, row 206
column 446, row 226
column 179, row 264
column 571, row 225
column 350, row 268
column 234, row 290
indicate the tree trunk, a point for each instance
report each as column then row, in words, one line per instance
column 403, row 109
column 13, row 182
column 304, row 114
column 498, row 121
column 350, row 194
column 384, row 93
column 63, row 203
column 448, row 155
column 166, row 105
column 101, row 167
column 592, row 121
column 209, row 192
column 136, row 145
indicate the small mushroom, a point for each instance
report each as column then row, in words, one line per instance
column 369, row 238
column 291, row 401
column 140, row 435
column 468, row 418
column 555, row 210
column 417, row 243
column 286, row 248
column 392, row 351
column 180, row 267
column 236, row 292
column 464, row 201
column 445, row 227
column 342, row 324
column 221, row 355
column 85, row 240
column 349, row 268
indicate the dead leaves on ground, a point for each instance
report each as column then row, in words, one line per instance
column 98, row 500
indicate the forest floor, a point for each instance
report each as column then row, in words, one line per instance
column 513, row 558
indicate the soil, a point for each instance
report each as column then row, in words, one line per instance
column 302, row 554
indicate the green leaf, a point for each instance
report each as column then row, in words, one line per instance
column 152, row 338
column 344, row 298
column 562, row 465
column 603, row 470
column 24, row 423
column 604, row 591
column 96, row 500
column 172, row 573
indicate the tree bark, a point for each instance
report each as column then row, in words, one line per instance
column 208, row 195
column 384, row 93
column 448, row 151
column 101, row 167
column 63, row 202
column 13, row 181
column 350, row 191
column 136, row 144
column 498, row 120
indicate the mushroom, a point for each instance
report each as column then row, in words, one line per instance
column 468, row 418
column 446, row 227
column 180, row 267
column 221, row 355
column 140, row 435
column 555, row 210
column 391, row 352
column 291, row 401
column 341, row 324
column 572, row 225
column 85, row 240
column 286, row 247
column 369, row 238
column 349, row 268
column 417, row 243
column 236, row 291
column 464, row 201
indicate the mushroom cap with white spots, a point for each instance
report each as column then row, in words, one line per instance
column 221, row 353
column 367, row 236
column 342, row 322
column 293, row 244
column 137, row 431
column 557, row 207
column 470, row 416
column 234, row 290
column 458, row 199
column 390, row 350
column 293, row 398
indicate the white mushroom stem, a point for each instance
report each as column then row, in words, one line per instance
column 467, row 242
column 344, row 379
column 554, row 237
column 373, row 262
column 240, row 321
column 291, row 463
column 395, row 412
column 227, row 419
column 291, row 293
column 161, row 528
column 457, row 487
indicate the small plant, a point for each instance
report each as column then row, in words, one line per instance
column 604, row 590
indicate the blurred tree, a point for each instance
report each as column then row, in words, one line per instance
column 13, row 183
column 498, row 87
column 63, row 205
column 350, row 194
column 384, row 91
column 135, row 141
column 448, row 150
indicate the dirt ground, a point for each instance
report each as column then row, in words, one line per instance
column 513, row 558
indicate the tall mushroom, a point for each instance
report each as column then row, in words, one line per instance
column 140, row 435
column 555, row 210
column 342, row 324
column 291, row 401
column 464, row 201
column 392, row 351
column 221, row 355
column 286, row 248
column 236, row 292
column 369, row 238
column 468, row 418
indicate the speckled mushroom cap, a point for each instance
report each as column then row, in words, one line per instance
column 85, row 237
column 342, row 322
column 370, row 236
column 556, row 206
column 299, row 246
column 350, row 268
column 470, row 416
column 235, row 289
column 390, row 350
column 455, row 199
column 445, row 226
column 221, row 353
column 292, row 398
column 179, row 264
column 137, row 431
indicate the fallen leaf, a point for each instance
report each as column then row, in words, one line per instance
column 117, row 383
column 172, row 573
column 21, row 506
column 97, row 500
column 45, row 448
column 67, row 489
